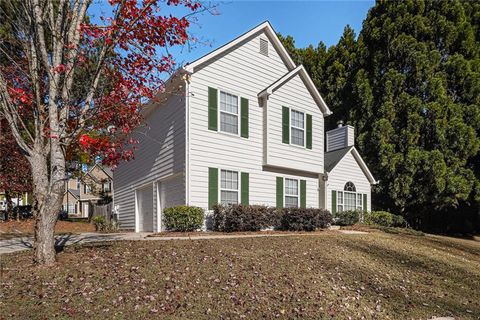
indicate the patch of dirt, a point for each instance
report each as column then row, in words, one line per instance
column 25, row 227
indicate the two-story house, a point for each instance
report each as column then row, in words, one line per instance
column 82, row 194
column 243, row 124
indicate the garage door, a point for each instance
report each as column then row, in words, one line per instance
column 145, row 209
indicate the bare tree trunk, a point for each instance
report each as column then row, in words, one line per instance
column 48, row 201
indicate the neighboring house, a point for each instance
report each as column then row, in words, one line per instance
column 242, row 124
column 81, row 195
column 25, row 199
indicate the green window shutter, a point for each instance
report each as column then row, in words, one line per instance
column 365, row 202
column 212, row 187
column 279, row 192
column 285, row 125
column 309, row 131
column 244, row 188
column 244, row 117
column 334, row 201
column 303, row 193
column 212, row 109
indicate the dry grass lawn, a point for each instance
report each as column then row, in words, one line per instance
column 22, row 228
column 327, row 275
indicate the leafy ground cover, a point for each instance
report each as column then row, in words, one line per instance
column 15, row 229
column 326, row 275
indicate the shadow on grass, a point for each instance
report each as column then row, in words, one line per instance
column 431, row 274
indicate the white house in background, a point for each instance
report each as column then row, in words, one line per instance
column 243, row 124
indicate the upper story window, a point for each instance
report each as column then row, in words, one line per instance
column 107, row 187
column 228, row 187
column 228, row 113
column 291, row 193
column 297, row 128
column 87, row 188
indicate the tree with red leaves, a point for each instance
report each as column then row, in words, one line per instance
column 74, row 86
column 15, row 176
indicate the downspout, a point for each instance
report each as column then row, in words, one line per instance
column 187, row 138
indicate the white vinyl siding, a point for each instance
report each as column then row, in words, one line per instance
column 297, row 128
column 245, row 72
column 229, row 118
column 160, row 155
column 291, row 193
column 340, row 138
column 228, row 187
column 279, row 154
column 347, row 170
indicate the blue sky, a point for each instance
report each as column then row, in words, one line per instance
column 309, row 22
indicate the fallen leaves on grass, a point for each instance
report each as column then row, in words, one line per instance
column 375, row 276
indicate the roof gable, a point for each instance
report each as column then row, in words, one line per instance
column 300, row 70
column 333, row 158
column 264, row 27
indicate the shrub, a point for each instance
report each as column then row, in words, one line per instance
column 304, row 219
column 347, row 218
column 102, row 225
column 183, row 218
column 385, row 219
column 241, row 217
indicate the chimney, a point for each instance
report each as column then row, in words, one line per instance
column 340, row 137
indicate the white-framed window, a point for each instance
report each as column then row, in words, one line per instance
column 107, row 186
column 348, row 199
column 297, row 128
column 291, row 193
column 86, row 188
column 229, row 113
column 228, row 187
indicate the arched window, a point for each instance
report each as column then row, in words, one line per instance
column 349, row 186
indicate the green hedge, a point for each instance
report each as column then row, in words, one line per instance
column 384, row 218
column 304, row 219
column 347, row 218
column 254, row 218
column 183, row 218
column 242, row 218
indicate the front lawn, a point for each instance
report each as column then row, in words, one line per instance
column 378, row 275
column 14, row 229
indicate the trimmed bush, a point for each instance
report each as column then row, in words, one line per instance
column 240, row 217
column 347, row 218
column 183, row 218
column 385, row 219
column 255, row 218
column 102, row 225
column 304, row 219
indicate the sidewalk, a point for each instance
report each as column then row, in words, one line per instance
column 25, row 243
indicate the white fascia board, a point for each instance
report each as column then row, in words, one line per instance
column 266, row 27
column 364, row 167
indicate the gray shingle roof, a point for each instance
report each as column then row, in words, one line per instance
column 75, row 192
column 334, row 157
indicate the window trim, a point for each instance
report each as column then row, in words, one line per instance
column 285, row 193
column 238, row 115
column 220, row 184
column 290, row 125
column 342, row 203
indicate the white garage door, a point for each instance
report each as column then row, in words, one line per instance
column 145, row 209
